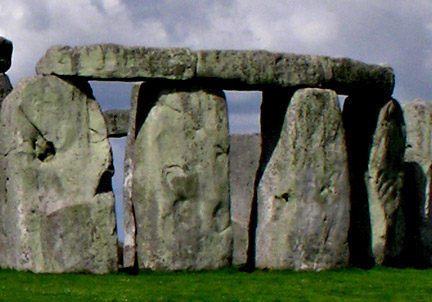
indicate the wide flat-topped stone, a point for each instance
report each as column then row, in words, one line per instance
column 231, row 69
column 116, row 62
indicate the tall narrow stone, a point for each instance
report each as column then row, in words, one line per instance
column 57, row 204
column 384, row 182
column 245, row 150
column 129, row 247
column 418, row 184
column 303, row 195
column 180, row 180
column 360, row 117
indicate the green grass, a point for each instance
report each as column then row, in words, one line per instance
column 379, row 284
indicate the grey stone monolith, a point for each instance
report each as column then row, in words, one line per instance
column 244, row 154
column 117, row 122
column 129, row 246
column 57, row 204
column 384, row 181
column 180, row 180
column 6, row 48
column 418, row 182
column 303, row 195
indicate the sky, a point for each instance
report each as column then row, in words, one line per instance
column 396, row 32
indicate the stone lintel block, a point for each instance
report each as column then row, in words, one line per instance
column 117, row 122
column 258, row 68
column 115, row 62
column 6, row 48
column 230, row 69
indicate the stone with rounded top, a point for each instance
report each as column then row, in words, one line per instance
column 384, row 181
column 57, row 204
column 303, row 195
column 6, row 48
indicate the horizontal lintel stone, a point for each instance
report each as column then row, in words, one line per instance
column 231, row 69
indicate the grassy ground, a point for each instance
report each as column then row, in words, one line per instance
column 379, row 284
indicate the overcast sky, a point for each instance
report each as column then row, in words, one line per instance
column 397, row 32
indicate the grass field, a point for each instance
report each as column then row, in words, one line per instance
column 379, row 284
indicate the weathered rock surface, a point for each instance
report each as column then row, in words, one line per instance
column 129, row 247
column 5, row 87
column 234, row 69
column 384, row 182
column 291, row 70
column 303, row 196
column 418, row 183
column 6, row 48
column 180, row 180
column 244, row 154
column 115, row 62
column 117, row 122
column 57, row 205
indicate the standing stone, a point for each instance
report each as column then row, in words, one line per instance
column 180, row 180
column 384, row 182
column 6, row 49
column 129, row 247
column 57, row 204
column 303, row 196
column 245, row 150
column 418, row 184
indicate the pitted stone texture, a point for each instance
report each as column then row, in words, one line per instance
column 244, row 154
column 110, row 61
column 384, row 182
column 303, row 196
column 5, row 87
column 418, row 158
column 117, row 122
column 57, row 204
column 129, row 247
column 232, row 69
column 291, row 70
column 180, row 181
column 6, row 48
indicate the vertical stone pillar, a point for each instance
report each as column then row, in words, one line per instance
column 384, row 181
column 273, row 108
column 245, row 151
column 303, row 195
column 180, row 180
column 57, row 207
column 129, row 247
column 418, row 183
column 360, row 117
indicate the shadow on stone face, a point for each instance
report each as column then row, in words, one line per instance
column 360, row 116
column 417, row 249
column 273, row 108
